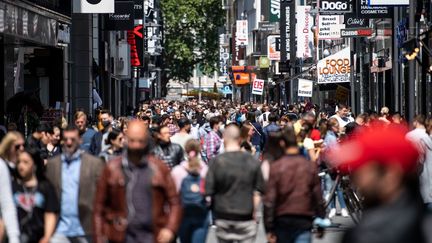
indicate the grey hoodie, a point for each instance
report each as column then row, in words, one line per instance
column 423, row 143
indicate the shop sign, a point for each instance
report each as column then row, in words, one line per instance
column 241, row 78
column 335, row 6
column 305, row 88
column 356, row 33
column 139, row 9
column 63, row 33
column 273, row 47
column 258, row 87
column 329, row 27
column 93, row 6
column 267, row 27
column 264, row 62
column 335, row 68
column 274, row 10
column 226, row 89
column 135, row 39
column 304, row 33
column 388, row 2
column 352, row 21
column 123, row 18
column 364, row 10
column 242, row 32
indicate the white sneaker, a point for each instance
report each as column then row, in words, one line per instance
column 332, row 213
column 344, row 213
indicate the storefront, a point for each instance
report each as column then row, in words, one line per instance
column 34, row 44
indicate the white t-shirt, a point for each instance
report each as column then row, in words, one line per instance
column 308, row 144
column 180, row 138
column 263, row 119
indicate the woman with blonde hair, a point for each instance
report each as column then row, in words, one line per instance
column 189, row 179
column 10, row 147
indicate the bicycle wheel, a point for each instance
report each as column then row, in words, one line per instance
column 353, row 204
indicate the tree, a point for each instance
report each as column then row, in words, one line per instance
column 191, row 36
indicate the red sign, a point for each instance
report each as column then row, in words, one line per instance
column 135, row 39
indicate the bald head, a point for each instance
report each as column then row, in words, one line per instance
column 137, row 135
column 231, row 134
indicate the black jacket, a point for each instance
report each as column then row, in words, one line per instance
column 171, row 153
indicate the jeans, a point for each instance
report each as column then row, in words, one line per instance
column 57, row 238
column 194, row 228
column 257, row 152
column 328, row 186
column 287, row 235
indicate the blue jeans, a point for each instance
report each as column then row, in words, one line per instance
column 328, row 186
column 194, row 228
column 258, row 152
column 287, row 235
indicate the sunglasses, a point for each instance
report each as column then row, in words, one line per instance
column 18, row 146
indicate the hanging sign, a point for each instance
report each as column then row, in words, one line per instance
column 388, row 2
column 335, row 68
column 335, row 6
column 352, row 21
column 304, row 33
column 242, row 32
column 305, row 88
column 93, row 6
column 258, row 87
column 329, row 27
column 364, row 10
column 123, row 18
column 135, row 39
column 273, row 47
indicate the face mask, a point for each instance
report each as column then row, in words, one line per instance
column 106, row 124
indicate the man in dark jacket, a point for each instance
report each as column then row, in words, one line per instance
column 171, row 153
column 293, row 196
column 272, row 127
column 385, row 171
column 136, row 198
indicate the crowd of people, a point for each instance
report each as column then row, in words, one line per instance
column 173, row 169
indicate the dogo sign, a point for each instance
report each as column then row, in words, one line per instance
column 335, row 6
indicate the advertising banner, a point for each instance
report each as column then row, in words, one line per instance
column 305, row 88
column 329, row 27
column 93, row 6
column 123, row 18
column 139, row 9
column 304, row 34
column 135, row 39
column 335, row 68
column 273, row 47
column 274, row 10
column 242, row 32
column 364, row 10
column 388, row 2
column 356, row 33
column 335, row 6
column 258, row 87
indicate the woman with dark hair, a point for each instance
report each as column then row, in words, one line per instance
column 257, row 139
column 35, row 199
column 246, row 133
column 115, row 142
column 273, row 150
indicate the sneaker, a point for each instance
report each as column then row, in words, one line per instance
column 332, row 213
column 344, row 213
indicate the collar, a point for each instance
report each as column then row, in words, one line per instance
column 75, row 156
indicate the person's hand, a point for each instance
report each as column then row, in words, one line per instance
column 271, row 238
column 165, row 236
column 44, row 240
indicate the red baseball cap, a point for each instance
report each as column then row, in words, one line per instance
column 380, row 144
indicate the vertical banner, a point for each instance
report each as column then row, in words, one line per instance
column 273, row 47
column 275, row 7
column 284, row 25
column 305, row 88
column 304, row 33
column 135, row 39
column 258, row 87
column 242, row 32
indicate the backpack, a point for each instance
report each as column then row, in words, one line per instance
column 190, row 192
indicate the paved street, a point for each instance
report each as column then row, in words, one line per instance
column 332, row 235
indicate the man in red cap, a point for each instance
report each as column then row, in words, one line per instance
column 383, row 167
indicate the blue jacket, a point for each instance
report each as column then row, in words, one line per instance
column 272, row 127
column 258, row 137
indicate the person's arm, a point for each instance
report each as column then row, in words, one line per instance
column 269, row 201
column 98, row 207
column 50, row 221
column 167, row 234
column 7, row 206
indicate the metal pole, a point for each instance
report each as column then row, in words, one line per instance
column 362, row 86
column 396, row 66
column 293, row 50
column 353, row 81
column 410, row 92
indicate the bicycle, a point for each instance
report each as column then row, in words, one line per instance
column 352, row 199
